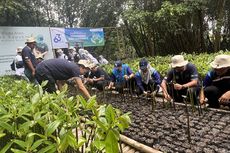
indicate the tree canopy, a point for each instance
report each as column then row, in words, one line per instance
column 143, row 27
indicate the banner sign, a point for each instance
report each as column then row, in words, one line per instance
column 13, row 37
column 84, row 37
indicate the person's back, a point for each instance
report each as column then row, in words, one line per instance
column 60, row 69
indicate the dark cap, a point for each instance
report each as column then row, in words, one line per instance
column 143, row 64
column 118, row 63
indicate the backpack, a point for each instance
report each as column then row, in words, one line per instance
column 12, row 66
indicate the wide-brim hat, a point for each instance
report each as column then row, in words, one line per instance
column 59, row 50
column 19, row 49
column 221, row 61
column 178, row 61
column 30, row 40
column 85, row 63
column 40, row 57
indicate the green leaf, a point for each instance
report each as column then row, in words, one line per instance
column 6, row 126
column 50, row 148
column 82, row 101
column 111, row 143
column 20, row 143
column 6, row 147
column 110, row 114
column 100, row 145
column 81, row 141
column 35, row 98
column 52, row 127
column 37, row 144
column 2, row 135
column 17, row 150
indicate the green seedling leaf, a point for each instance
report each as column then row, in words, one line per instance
column 6, row 147
column 37, row 144
column 6, row 126
column 110, row 114
column 20, row 143
column 52, row 127
column 17, row 150
column 81, row 141
column 50, row 148
column 111, row 143
column 35, row 98
column 100, row 145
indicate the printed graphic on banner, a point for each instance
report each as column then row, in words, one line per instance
column 13, row 37
column 82, row 37
column 58, row 38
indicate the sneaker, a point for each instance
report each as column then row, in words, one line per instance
column 94, row 89
column 115, row 92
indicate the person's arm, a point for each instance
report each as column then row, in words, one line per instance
column 164, row 89
column 81, row 86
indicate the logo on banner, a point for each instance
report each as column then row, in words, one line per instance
column 57, row 38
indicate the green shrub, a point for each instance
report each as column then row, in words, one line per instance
column 34, row 121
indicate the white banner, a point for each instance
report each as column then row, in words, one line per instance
column 13, row 37
column 58, row 38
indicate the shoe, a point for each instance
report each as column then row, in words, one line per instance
column 115, row 92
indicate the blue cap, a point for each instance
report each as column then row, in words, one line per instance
column 143, row 64
column 118, row 63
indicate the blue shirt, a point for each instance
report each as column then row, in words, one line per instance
column 118, row 76
column 222, row 82
column 154, row 76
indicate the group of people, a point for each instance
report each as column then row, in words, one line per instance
column 182, row 78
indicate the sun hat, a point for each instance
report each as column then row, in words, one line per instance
column 19, row 49
column 92, row 65
column 72, row 48
column 39, row 56
column 178, row 61
column 59, row 50
column 143, row 64
column 221, row 61
column 30, row 40
column 118, row 63
column 85, row 63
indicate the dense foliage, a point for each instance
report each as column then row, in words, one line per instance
column 161, row 63
column 34, row 121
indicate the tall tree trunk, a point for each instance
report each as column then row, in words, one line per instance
column 219, row 24
column 132, row 38
column 201, row 19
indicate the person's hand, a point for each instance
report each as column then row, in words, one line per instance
column 90, row 80
column 145, row 92
column 225, row 97
column 178, row 86
column 167, row 97
column 33, row 73
column 126, row 77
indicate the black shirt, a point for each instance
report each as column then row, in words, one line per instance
column 59, row 69
column 27, row 54
column 99, row 73
column 190, row 73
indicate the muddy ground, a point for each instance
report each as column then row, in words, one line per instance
column 166, row 129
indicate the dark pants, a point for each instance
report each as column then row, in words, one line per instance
column 213, row 94
column 99, row 84
column 41, row 75
column 190, row 93
column 29, row 75
column 151, row 86
column 130, row 84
